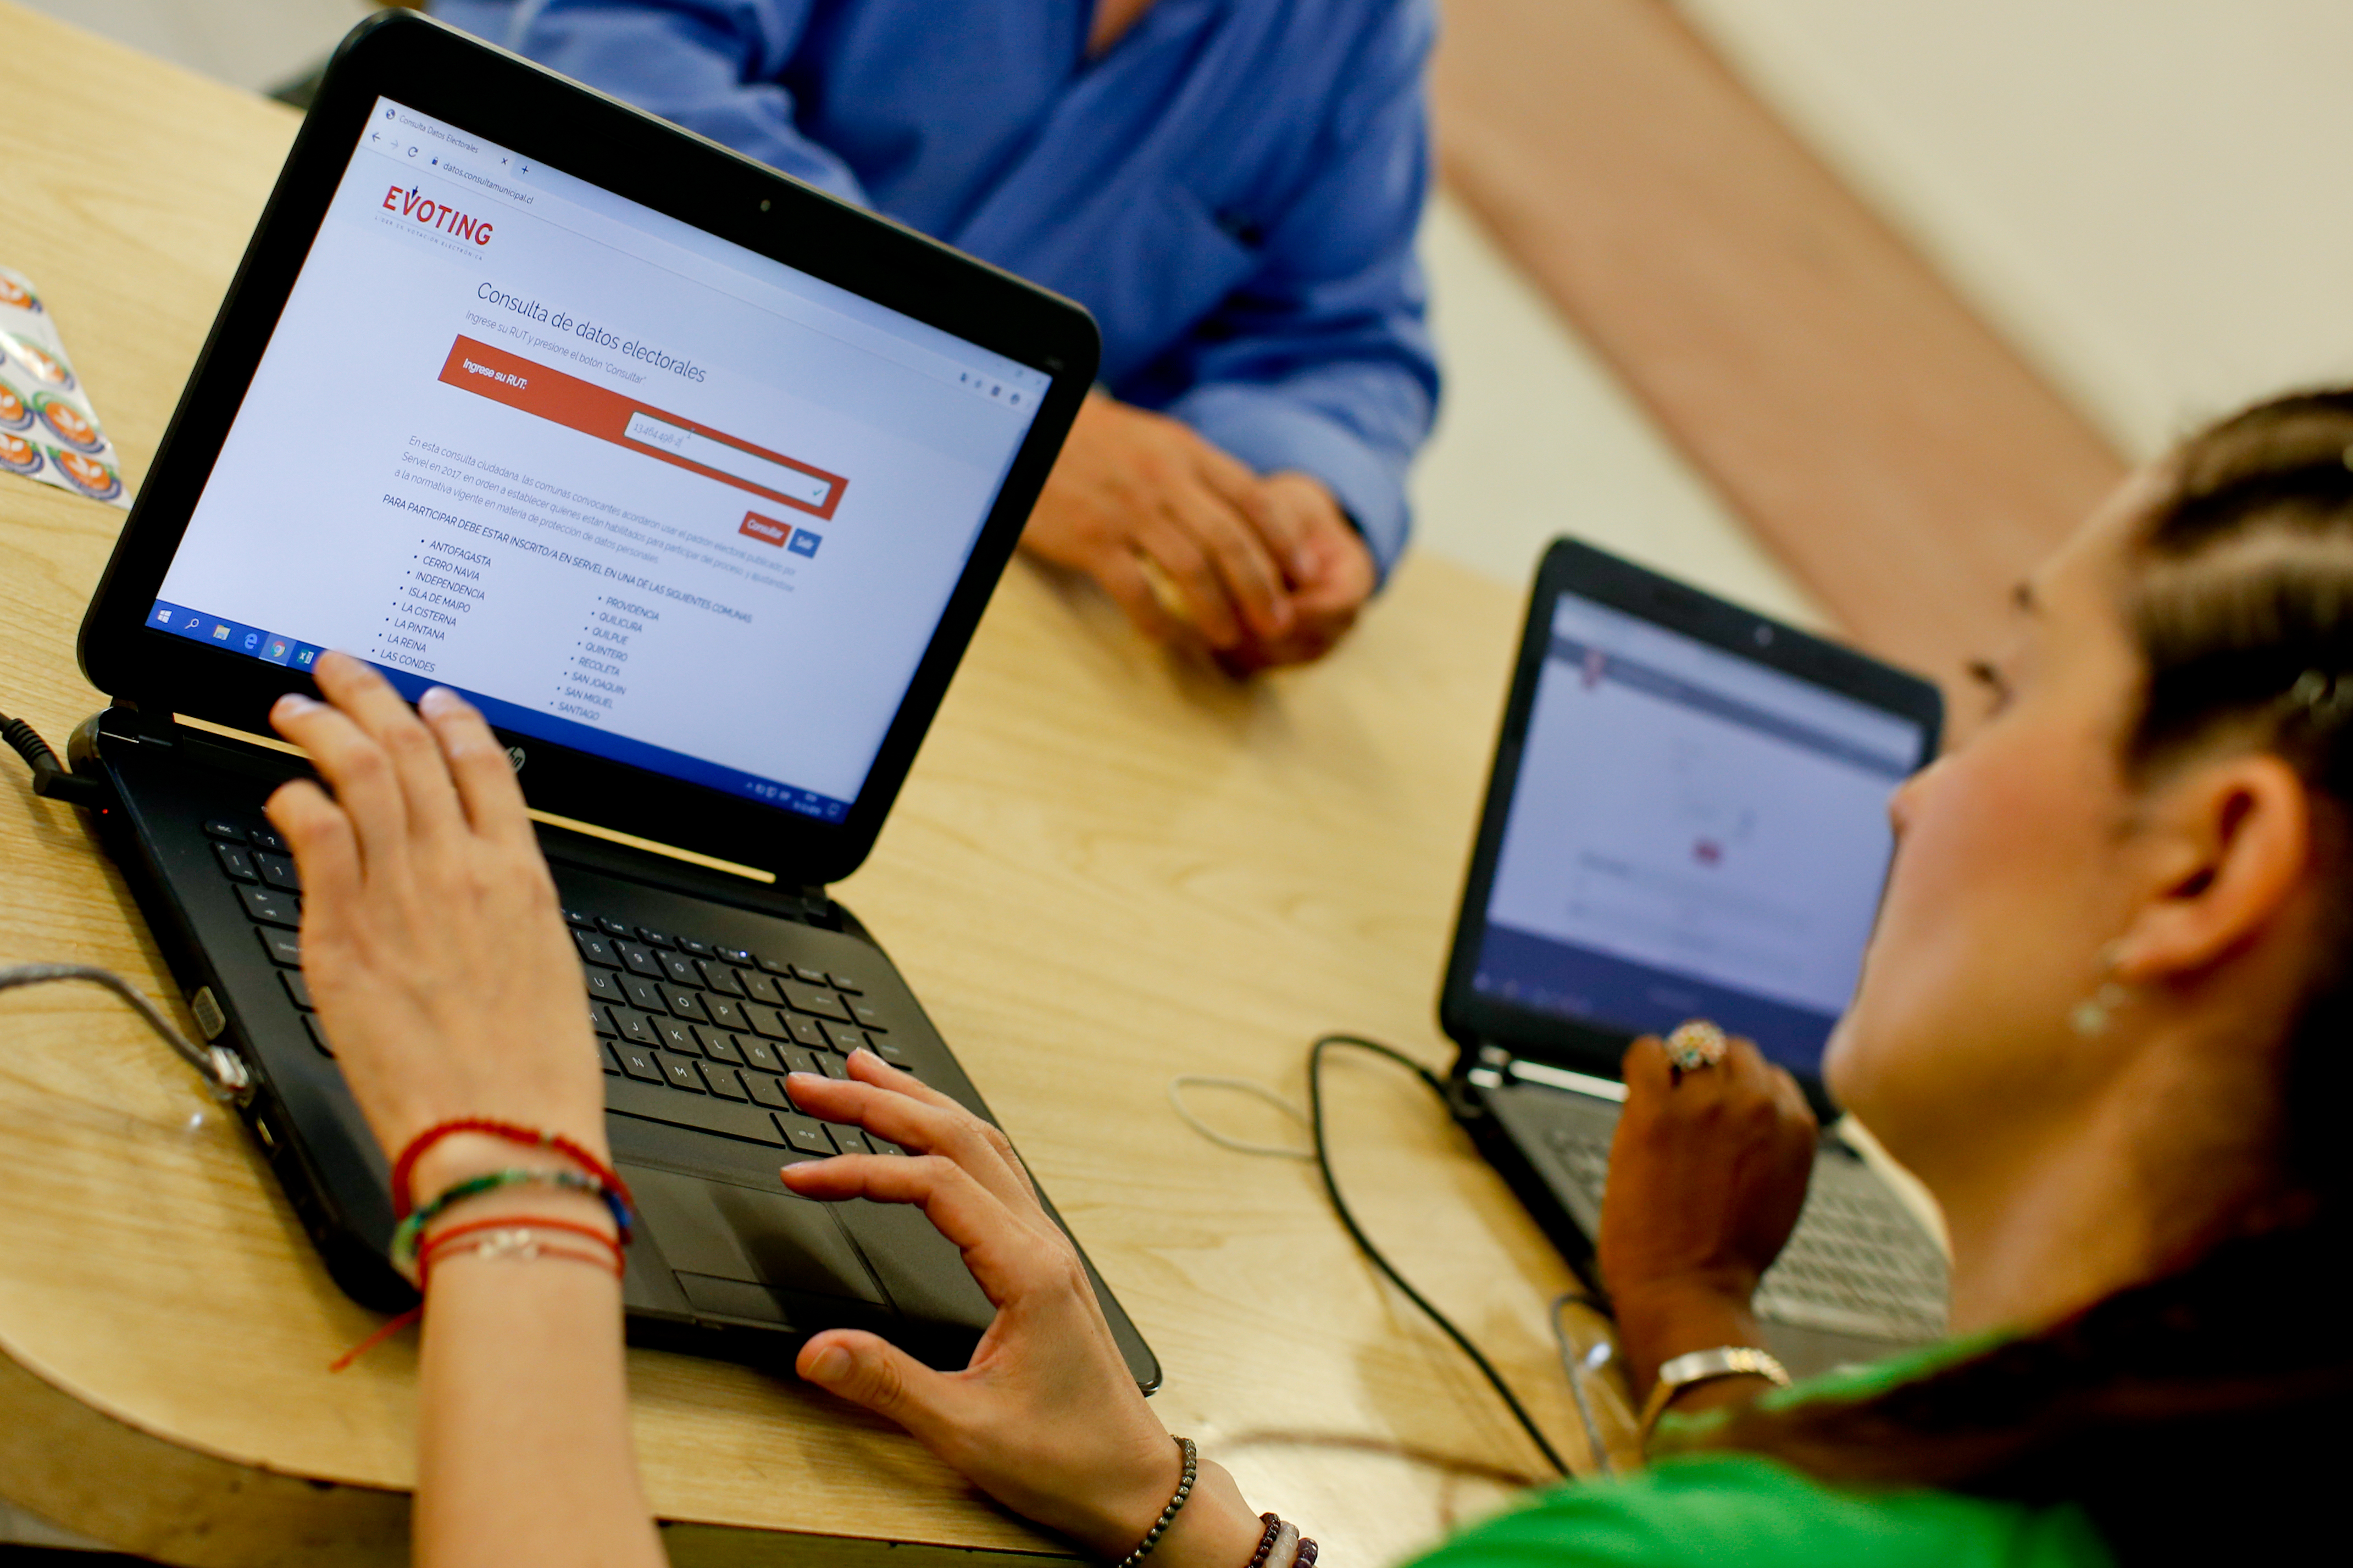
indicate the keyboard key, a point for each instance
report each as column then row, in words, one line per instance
column 644, row 994
column 810, row 1033
column 759, row 987
column 600, row 1019
column 796, row 1060
column 684, row 1003
column 595, row 949
column 635, row 1026
column 611, row 1063
column 283, row 946
column 612, row 928
column 844, row 983
column 848, row 1139
column 679, row 969
column 765, row 1091
column 677, row 1035
column 869, row 1016
column 727, row 1014
column 318, row 1034
column 298, row 990
column 814, row 976
column 720, row 978
column 723, row 1081
column 641, row 958
column 638, row 1063
column 758, row 1053
column 682, row 1073
column 768, row 1020
column 271, row 906
column 574, row 917
column 263, row 839
column 279, row 871
column 222, row 827
column 810, row 999
column 236, row 863
column 775, row 966
column 892, row 1054
column 831, row 1066
column 844, row 1038
column 653, row 937
column 803, row 1133
column 737, row 955
column 718, row 1045
column 604, row 985
column 697, row 949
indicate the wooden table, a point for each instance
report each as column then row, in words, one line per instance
column 1106, row 869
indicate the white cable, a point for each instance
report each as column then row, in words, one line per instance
column 1184, row 1080
column 223, row 1073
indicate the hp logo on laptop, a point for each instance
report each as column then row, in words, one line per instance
column 515, row 758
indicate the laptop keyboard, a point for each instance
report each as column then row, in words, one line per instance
column 1858, row 1263
column 689, row 1032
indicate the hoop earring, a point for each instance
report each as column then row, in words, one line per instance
column 2092, row 1016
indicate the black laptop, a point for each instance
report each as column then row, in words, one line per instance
column 696, row 481
column 1687, row 819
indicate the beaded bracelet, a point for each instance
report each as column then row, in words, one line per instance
column 498, row 1240
column 405, row 1236
column 1274, row 1523
column 1184, row 1489
column 403, row 1168
column 525, row 1226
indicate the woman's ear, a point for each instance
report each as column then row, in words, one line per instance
column 2230, row 843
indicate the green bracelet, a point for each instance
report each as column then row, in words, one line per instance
column 405, row 1236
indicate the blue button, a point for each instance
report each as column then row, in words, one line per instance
column 804, row 543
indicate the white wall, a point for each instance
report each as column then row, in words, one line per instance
column 2153, row 197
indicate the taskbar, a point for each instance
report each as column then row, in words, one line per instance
column 273, row 648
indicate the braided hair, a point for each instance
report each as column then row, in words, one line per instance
column 2207, row 1407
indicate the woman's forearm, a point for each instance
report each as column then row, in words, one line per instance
column 524, row 1448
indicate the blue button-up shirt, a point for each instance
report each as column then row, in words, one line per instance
column 1232, row 188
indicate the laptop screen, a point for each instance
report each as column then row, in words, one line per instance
column 1692, row 835
column 631, row 487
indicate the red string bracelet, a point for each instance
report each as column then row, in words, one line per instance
column 514, row 1222
column 403, row 1169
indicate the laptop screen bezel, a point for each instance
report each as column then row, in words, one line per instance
column 445, row 74
column 1471, row 1018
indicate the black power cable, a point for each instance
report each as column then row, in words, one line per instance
column 1365, row 1245
column 50, row 776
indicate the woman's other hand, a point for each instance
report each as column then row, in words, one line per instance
column 1047, row 1418
column 432, row 938
column 1706, row 1177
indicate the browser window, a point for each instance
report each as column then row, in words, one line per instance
column 1692, row 835
column 630, row 487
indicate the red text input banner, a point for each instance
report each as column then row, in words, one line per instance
column 597, row 411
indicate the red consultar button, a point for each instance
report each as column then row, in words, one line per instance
column 766, row 529
column 597, row 411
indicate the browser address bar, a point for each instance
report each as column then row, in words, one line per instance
column 696, row 447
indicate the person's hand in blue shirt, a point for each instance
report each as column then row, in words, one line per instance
column 1194, row 546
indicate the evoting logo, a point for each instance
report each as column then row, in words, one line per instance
column 435, row 215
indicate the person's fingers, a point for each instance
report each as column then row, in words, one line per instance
column 427, row 793
column 1646, row 1072
column 920, row 1127
column 1241, row 558
column 1003, row 1252
column 866, row 1066
column 1181, row 558
column 852, row 1365
column 1122, row 575
column 326, row 850
column 354, row 767
column 487, row 786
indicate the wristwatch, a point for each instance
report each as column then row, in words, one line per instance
column 1706, row 1366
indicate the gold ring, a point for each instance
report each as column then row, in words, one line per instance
column 1695, row 1045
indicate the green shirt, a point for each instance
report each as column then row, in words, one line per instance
column 1717, row 1507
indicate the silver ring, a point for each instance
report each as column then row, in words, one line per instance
column 1695, row 1045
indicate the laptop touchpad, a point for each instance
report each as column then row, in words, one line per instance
column 727, row 1232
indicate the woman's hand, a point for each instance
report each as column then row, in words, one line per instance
column 1706, row 1177
column 1047, row 1418
column 432, row 938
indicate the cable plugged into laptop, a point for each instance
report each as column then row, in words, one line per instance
column 51, row 777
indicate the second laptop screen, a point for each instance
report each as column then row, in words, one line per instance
column 630, row 487
column 1692, row 835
